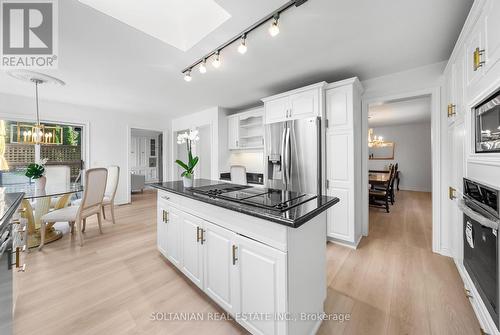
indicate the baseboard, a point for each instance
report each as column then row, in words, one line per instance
column 352, row 245
column 482, row 314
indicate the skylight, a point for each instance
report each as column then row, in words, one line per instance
column 180, row 23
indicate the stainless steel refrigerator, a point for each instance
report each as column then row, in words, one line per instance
column 293, row 155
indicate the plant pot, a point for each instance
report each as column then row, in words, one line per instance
column 187, row 181
column 40, row 183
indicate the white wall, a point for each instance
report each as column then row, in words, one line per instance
column 412, row 152
column 107, row 130
column 252, row 160
column 211, row 117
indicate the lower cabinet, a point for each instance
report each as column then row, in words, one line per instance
column 242, row 275
column 261, row 275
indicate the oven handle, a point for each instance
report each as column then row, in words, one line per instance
column 484, row 221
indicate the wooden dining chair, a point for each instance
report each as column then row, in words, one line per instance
column 91, row 204
column 379, row 197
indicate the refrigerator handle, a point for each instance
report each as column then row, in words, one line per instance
column 288, row 157
column 282, row 160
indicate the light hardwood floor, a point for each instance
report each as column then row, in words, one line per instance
column 393, row 284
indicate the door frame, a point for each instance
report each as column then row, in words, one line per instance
column 435, row 94
column 129, row 144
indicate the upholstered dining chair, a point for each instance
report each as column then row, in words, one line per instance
column 238, row 174
column 91, row 204
column 111, row 187
column 57, row 174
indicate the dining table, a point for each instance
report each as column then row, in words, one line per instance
column 378, row 178
column 38, row 202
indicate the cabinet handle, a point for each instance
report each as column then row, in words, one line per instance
column 235, row 248
column 202, row 239
column 237, row 144
column 165, row 198
column 165, row 216
column 468, row 294
column 198, row 238
column 477, row 58
column 21, row 268
column 451, row 110
column 452, row 193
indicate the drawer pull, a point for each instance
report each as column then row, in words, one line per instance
column 198, row 237
column 235, row 249
column 165, row 197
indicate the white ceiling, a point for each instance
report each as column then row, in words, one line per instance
column 109, row 64
column 180, row 23
column 398, row 112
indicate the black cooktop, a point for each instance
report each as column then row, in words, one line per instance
column 277, row 200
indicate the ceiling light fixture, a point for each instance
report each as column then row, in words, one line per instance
column 242, row 48
column 203, row 66
column 274, row 29
column 187, row 76
column 216, row 61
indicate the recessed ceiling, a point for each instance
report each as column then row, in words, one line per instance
column 180, row 23
column 109, row 64
column 398, row 112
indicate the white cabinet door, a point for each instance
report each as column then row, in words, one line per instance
column 475, row 41
column 161, row 229
column 220, row 271
column 262, row 272
column 173, row 233
column 458, row 86
column 233, row 127
column 492, row 35
column 305, row 104
column 191, row 248
column 277, row 110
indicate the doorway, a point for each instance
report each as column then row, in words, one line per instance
column 145, row 158
column 401, row 136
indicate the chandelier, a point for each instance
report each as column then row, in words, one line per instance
column 375, row 141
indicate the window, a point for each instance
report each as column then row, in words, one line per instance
column 61, row 144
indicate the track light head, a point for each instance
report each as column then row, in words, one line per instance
column 274, row 29
column 187, row 76
column 216, row 62
column 203, row 66
column 242, row 48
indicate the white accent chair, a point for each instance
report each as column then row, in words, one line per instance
column 91, row 204
column 238, row 174
column 57, row 175
column 111, row 187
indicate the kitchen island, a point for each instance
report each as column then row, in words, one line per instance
column 261, row 259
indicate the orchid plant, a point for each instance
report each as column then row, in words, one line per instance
column 189, row 138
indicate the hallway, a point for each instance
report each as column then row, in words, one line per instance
column 393, row 283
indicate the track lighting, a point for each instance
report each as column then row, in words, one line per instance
column 203, row 66
column 216, row 62
column 274, row 29
column 187, row 76
column 242, row 48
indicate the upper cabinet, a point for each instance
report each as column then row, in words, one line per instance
column 297, row 104
column 492, row 33
column 482, row 50
column 246, row 130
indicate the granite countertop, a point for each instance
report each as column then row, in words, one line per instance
column 294, row 217
column 9, row 202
